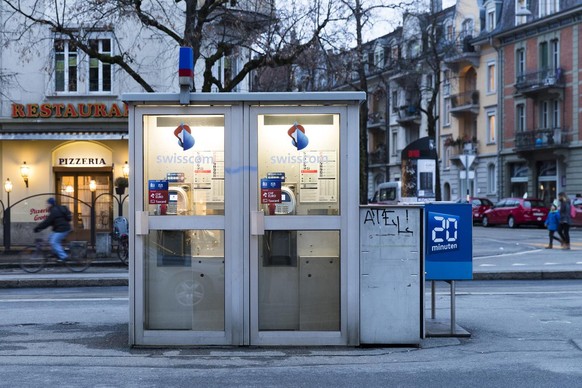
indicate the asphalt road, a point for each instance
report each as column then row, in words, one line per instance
column 500, row 249
column 523, row 334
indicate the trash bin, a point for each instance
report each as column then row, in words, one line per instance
column 103, row 245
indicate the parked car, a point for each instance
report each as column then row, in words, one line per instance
column 577, row 203
column 516, row 211
column 479, row 205
column 388, row 193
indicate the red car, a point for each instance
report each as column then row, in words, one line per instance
column 479, row 205
column 577, row 203
column 517, row 211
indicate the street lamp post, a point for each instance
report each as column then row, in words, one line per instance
column 93, row 187
column 8, row 189
column 120, row 190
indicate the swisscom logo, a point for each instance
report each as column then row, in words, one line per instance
column 298, row 137
column 184, row 135
column 443, row 232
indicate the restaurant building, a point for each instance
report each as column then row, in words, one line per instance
column 63, row 125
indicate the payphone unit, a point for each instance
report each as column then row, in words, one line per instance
column 179, row 201
column 288, row 201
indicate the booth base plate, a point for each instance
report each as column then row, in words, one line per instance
column 442, row 328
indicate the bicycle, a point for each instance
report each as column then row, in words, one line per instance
column 120, row 234
column 122, row 248
column 35, row 258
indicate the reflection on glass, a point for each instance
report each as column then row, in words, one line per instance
column 299, row 281
column 185, row 280
column 298, row 164
column 184, row 164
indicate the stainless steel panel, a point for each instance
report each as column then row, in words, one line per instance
column 390, row 275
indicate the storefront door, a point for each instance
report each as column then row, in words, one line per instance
column 73, row 190
column 239, row 235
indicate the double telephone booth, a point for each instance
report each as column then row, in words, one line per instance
column 244, row 219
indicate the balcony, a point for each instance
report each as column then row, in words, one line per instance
column 379, row 156
column 540, row 139
column 466, row 102
column 540, row 83
column 462, row 147
column 408, row 115
column 462, row 52
column 376, row 120
column 250, row 15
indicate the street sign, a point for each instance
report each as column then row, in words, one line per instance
column 467, row 160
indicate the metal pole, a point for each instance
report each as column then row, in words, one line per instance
column 7, row 225
column 433, row 300
column 93, row 221
column 467, row 175
column 120, row 206
column 453, row 323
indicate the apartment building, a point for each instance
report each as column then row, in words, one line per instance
column 382, row 56
column 509, row 106
column 540, row 52
column 467, row 136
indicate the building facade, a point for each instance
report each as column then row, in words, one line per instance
column 464, row 148
column 540, row 52
column 63, row 126
column 508, row 108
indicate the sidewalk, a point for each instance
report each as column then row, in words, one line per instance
column 106, row 271
column 110, row 271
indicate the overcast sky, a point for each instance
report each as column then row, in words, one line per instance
column 390, row 23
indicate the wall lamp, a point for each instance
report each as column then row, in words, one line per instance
column 24, row 171
column 125, row 170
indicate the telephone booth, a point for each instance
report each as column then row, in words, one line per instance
column 244, row 219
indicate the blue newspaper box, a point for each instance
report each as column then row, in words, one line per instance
column 448, row 241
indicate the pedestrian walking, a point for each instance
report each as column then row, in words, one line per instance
column 553, row 223
column 565, row 220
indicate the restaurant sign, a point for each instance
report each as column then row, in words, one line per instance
column 69, row 111
column 82, row 154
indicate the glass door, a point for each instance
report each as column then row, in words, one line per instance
column 73, row 190
column 296, row 268
column 185, row 260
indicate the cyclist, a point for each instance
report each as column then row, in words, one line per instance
column 59, row 218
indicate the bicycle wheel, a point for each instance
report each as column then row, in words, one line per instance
column 123, row 250
column 32, row 260
column 78, row 263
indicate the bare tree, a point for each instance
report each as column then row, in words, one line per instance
column 359, row 16
column 425, row 50
column 215, row 29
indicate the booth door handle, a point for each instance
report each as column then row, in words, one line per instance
column 257, row 223
column 141, row 223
